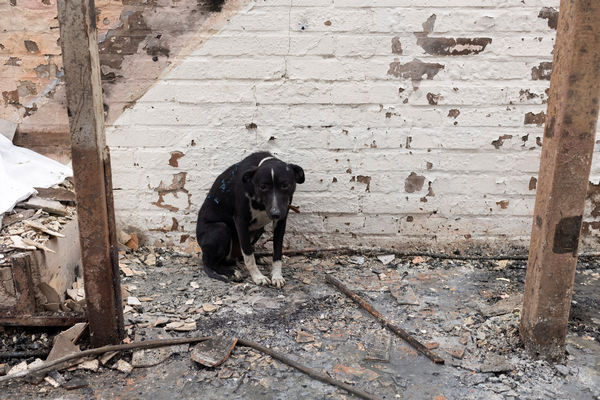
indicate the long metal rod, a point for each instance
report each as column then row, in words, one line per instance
column 384, row 321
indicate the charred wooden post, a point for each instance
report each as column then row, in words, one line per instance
column 21, row 271
column 90, row 160
column 563, row 178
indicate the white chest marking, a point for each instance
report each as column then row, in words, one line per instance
column 259, row 218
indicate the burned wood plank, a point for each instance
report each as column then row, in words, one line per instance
column 565, row 164
column 42, row 228
column 50, row 206
column 41, row 319
column 58, row 194
column 86, row 123
column 21, row 272
column 15, row 217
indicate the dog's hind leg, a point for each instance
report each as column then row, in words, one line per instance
column 216, row 242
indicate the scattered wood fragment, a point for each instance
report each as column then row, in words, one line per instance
column 37, row 245
column 40, row 227
column 397, row 330
column 58, row 194
column 50, row 206
column 151, row 344
column 18, row 243
column 67, row 359
column 10, row 219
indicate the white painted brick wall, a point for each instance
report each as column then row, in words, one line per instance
column 308, row 80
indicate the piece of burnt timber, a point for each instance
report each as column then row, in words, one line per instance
column 86, row 123
column 565, row 164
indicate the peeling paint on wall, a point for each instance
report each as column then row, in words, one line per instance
column 551, row 14
column 414, row 70
column 537, row 119
column 414, row 183
column 542, row 72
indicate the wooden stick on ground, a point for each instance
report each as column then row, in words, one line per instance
column 151, row 344
column 397, row 330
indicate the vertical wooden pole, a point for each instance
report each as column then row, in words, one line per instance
column 90, row 160
column 563, row 178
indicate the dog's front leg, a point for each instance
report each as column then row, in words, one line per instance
column 278, row 232
column 248, row 253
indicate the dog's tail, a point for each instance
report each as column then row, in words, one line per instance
column 215, row 275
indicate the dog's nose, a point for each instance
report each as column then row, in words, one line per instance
column 275, row 213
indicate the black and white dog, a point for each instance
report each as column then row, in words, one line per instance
column 243, row 199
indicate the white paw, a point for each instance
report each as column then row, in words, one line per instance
column 260, row 279
column 277, row 281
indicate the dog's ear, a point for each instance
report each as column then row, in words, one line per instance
column 298, row 173
column 248, row 175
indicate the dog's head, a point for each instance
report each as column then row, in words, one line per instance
column 272, row 185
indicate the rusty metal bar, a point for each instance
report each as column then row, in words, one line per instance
column 384, row 321
column 21, row 272
column 86, row 123
column 563, row 178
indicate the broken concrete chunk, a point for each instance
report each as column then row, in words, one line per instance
column 214, row 351
column 123, row 237
column 133, row 243
column 124, row 366
column 133, row 301
column 495, row 363
column 378, row 346
column 91, row 365
column 43, row 228
column 50, row 206
column 358, row 260
column 52, row 382
column 207, row 307
column 151, row 357
column 304, row 337
column 386, row 259
column 20, row 367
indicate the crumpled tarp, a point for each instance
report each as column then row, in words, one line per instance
column 22, row 170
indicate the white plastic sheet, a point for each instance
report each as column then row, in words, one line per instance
column 22, row 170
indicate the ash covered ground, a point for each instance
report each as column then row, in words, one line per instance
column 466, row 311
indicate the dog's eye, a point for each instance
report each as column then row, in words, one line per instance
column 284, row 186
column 263, row 186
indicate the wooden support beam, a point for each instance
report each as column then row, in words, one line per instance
column 86, row 123
column 21, row 272
column 563, row 178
